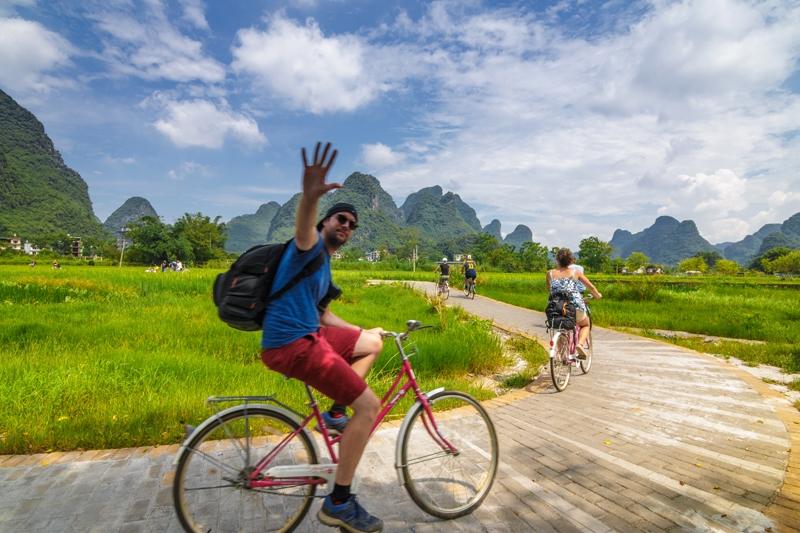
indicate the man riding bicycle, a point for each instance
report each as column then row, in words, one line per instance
column 470, row 270
column 303, row 339
column 443, row 268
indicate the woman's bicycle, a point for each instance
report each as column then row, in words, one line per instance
column 443, row 288
column 469, row 288
column 563, row 349
column 256, row 466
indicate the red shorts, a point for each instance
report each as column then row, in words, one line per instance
column 322, row 360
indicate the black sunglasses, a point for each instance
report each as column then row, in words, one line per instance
column 343, row 220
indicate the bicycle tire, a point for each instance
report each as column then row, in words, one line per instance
column 586, row 364
column 227, row 504
column 466, row 425
column 560, row 368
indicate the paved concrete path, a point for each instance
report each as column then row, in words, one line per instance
column 654, row 438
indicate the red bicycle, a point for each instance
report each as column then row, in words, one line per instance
column 256, row 466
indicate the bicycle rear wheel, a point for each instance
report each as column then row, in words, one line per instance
column 211, row 491
column 442, row 482
column 586, row 364
column 560, row 367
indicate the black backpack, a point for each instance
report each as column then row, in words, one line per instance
column 243, row 292
column 560, row 311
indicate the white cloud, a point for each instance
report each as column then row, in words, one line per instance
column 188, row 169
column 309, row 70
column 194, row 13
column 147, row 44
column 537, row 122
column 379, row 156
column 30, row 54
column 203, row 123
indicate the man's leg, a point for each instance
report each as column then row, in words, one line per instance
column 356, row 435
column 367, row 348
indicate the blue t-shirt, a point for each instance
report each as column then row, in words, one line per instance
column 295, row 313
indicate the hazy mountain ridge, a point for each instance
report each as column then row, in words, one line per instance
column 130, row 211
column 248, row 230
column 39, row 193
column 519, row 236
column 666, row 241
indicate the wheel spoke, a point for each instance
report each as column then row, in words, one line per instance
column 210, row 494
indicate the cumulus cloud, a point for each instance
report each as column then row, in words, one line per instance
column 148, row 45
column 194, row 13
column 309, row 70
column 30, row 55
column 378, row 156
column 532, row 119
column 205, row 124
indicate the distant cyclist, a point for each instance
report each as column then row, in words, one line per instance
column 563, row 278
column 470, row 270
column 443, row 268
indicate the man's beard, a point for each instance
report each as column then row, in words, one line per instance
column 332, row 239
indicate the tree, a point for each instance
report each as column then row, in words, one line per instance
column 636, row 261
column 533, row 257
column 710, row 257
column 617, row 264
column 760, row 262
column 726, row 267
column 595, row 254
column 693, row 264
column 153, row 241
column 206, row 238
column 785, row 264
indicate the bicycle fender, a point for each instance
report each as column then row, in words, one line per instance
column 211, row 419
column 398, row 461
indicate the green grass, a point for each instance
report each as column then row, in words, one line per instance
column 103, row 357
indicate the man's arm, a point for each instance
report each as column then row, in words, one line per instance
column 331, row 320
column 314, row 187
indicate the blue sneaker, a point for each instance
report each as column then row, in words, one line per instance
column 349, row 516
column 335, row 423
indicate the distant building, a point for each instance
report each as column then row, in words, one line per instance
column 693, row 273
column 373, row 256
column 76, row 247
column 337, row 255
column 30, row 249
column 13, row 242
column 653, row 269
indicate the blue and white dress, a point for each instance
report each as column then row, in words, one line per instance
column 570, row 286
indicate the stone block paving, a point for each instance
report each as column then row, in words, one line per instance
column 655, row 438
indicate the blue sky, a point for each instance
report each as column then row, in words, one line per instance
column 572, row 117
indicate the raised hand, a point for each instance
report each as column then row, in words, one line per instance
column 314, row 185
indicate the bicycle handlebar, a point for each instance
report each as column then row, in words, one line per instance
column 411, row 325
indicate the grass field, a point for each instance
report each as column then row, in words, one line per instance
column 103, row 357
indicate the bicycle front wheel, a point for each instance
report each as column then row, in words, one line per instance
column 449, row 462
column 560, row 366
column 211, row 489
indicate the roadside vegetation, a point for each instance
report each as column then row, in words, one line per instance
column 105, row 358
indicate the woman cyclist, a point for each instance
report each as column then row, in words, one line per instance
column 563, row 278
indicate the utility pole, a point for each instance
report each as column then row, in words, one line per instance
column 122, row 250
column 414, row 259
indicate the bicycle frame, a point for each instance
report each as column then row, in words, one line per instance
column 324, row 473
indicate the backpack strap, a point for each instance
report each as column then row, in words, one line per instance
column 309, row 269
